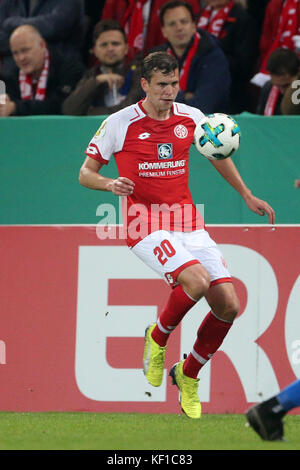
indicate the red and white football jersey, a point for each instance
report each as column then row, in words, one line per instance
column 154, row 154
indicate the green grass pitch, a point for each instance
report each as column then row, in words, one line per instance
column 134, row 431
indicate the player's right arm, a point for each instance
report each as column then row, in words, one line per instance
column 90, row 177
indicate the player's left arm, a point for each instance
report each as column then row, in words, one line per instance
column 230, row 173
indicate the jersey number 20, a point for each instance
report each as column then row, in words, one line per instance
column 164, row 251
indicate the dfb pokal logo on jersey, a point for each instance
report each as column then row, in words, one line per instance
column 101, row 131
column 165, row 151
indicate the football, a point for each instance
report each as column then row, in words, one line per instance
column 217, row 136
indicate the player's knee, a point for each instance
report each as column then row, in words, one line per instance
column 195, row 281
column 231, row 309
column 199, row 286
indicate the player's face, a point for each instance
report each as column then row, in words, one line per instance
column 217, row 3
column 282, row 81
column 110, row 48
column 178, row 27
column 162, row 90
column 28, row 51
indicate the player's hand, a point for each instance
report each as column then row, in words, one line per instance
column 112, row 79
column 122, row 186
column 260, row 207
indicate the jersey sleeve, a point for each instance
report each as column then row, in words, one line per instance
column 182, row 109
column 197, row 115
column 102, row 145
column 110, row 137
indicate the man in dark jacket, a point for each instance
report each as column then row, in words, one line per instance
column 113, row 83
column 41, row 78
column 61, row 23
column 204, row 70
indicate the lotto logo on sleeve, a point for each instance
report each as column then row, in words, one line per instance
column 92, row 149
column 165, row 151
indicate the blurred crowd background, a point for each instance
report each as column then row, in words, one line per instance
column 83, row 57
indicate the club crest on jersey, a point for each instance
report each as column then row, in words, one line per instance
column 165, row 151
column 181, row 131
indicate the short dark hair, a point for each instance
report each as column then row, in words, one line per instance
column 283, row 61
column 107, row 25
column 158, row 62
column 175, row 4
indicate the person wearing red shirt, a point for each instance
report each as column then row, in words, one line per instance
column 281, row 29
column 141, row 22
column 237, row 34
column 150, row 142
column 281, row 23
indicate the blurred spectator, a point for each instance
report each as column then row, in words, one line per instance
column 61, row 23
column 257, row 8
column 204, row 70
column 111, row 85
column 140, row 20
column 281, row 24
column 278, row 96
column 41, row 78
column 93, row 11
column 238, row 36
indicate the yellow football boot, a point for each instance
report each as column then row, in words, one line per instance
column 153, row 359
column 188, row 388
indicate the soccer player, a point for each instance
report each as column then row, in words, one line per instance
column 150, row 142
column 266, row 417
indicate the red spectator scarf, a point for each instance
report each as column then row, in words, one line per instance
column 272, row 101
column 26, row 83
column 185, row 69
column 215, row 25
column 133, row 24
column 289, row 25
